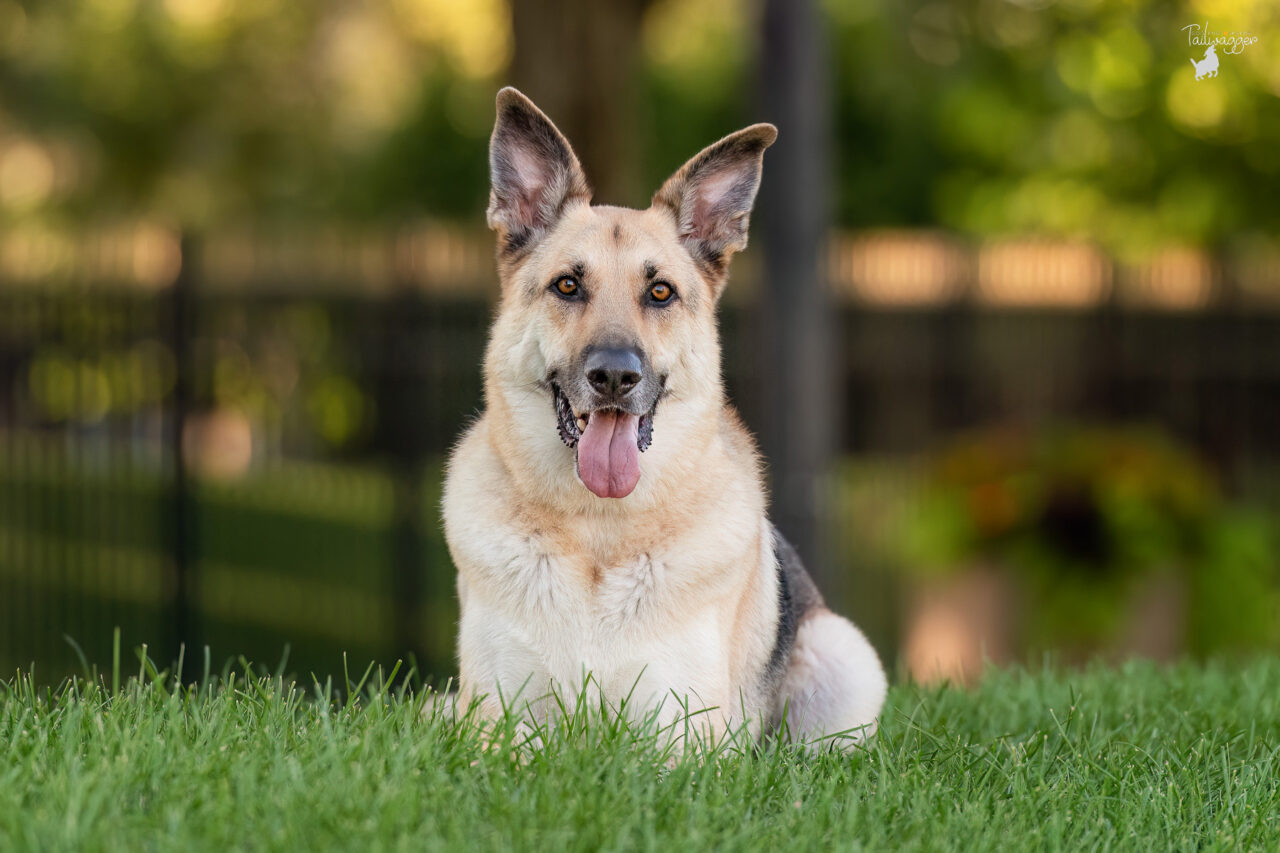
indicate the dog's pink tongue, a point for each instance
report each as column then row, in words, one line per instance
column 609, row 455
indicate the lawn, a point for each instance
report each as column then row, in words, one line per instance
column 1139, row 757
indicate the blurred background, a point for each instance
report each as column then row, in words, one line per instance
column 1009, row 328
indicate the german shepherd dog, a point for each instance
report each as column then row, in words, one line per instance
column 606, row 512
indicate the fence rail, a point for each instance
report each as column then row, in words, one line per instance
column 245, row 449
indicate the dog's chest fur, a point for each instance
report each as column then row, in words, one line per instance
column 547, row 603
column 555, row 615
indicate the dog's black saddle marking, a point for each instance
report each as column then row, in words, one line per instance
column 797, row 595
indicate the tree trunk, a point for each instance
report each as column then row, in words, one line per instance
column 579, row 62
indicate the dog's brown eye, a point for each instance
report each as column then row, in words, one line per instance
column 660, row 291
column 566, row 285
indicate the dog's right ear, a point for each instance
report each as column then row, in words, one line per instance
column 532, row 171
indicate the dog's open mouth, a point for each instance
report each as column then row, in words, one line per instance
column 608, row 443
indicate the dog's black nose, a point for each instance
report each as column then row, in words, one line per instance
column 613, row 372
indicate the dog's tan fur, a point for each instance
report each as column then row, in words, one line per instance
column 673, row 592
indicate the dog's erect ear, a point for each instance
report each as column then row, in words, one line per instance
column 712, row 194
column 532, row 170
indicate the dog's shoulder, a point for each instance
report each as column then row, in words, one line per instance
column 739, row 443
column 474, row 483
column 472, row 462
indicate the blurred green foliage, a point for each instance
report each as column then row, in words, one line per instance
column 201, row 110
column 1082, row 516
column 1078, row 118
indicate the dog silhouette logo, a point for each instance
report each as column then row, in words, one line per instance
column 1207, row 67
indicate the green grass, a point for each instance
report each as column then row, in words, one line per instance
column 1134, row 758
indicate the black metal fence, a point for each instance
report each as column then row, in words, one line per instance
column 246, row 454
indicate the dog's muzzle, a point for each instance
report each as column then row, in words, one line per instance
column 571, row 426
column 613, row 422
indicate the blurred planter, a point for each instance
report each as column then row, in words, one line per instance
column 1087, row 539
column 1155, row 623
column 959, row 622
column 956, row 623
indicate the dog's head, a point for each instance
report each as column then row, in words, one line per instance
column 607, row 332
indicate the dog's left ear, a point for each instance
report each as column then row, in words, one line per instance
column 711, row 196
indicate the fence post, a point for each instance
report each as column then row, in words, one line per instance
column 401, row 401
column 183, row 603
column 798, row 393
